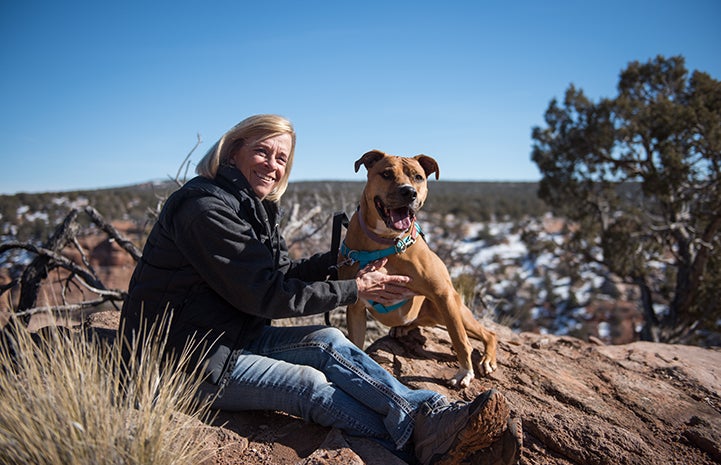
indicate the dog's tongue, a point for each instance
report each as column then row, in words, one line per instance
column 400, row 219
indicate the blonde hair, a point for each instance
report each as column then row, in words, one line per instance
column 255, row 128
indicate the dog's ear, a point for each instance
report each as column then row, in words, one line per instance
column 369, row 159
column 429, row 165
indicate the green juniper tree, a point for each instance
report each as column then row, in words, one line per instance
column 640, row 174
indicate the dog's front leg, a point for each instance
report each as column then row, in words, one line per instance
column 356, row 323
column 460, row 342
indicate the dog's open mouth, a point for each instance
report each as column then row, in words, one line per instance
column 400, row 218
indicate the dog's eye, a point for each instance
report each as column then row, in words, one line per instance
column 387, row 174
column 420, row 178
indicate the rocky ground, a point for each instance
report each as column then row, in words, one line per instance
column 581, row 403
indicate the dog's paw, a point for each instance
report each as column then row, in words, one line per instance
column 488, row 365
column 462, row 379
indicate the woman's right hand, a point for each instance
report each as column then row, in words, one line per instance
column 376, row 285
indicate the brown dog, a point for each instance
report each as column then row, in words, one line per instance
column 384, row 225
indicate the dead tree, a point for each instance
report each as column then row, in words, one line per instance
column 49, row 257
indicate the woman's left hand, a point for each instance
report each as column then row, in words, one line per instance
column 376, row 285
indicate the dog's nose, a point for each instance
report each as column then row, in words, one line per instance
column 408, row 192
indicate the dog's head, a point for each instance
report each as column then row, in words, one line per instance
column 396, row 187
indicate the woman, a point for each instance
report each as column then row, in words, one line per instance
column 216, row 260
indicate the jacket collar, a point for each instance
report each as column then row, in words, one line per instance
column 230, row 176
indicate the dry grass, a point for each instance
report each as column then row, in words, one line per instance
column 62, row 401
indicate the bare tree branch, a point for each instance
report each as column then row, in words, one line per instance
column 49, row 256
column 70, row 307
column 186, row 164
column 124, row 243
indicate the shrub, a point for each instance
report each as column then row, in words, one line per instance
column 62, row 401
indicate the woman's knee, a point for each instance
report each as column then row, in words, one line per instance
column 310, row 379
column 330, row 335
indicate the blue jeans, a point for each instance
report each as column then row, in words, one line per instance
column 316, row 373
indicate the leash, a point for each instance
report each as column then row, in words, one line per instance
column 340, row 221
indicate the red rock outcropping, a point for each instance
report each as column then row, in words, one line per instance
column 581, row 403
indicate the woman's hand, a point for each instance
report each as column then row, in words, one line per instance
column 381, row 287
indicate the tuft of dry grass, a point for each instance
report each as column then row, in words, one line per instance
column 63, row 401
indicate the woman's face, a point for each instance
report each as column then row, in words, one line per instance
column 263, row 162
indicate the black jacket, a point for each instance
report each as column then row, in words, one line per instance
column 215, row 258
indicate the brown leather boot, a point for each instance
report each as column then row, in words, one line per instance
column 451, row 433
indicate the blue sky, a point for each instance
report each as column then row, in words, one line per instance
column 98, row 94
